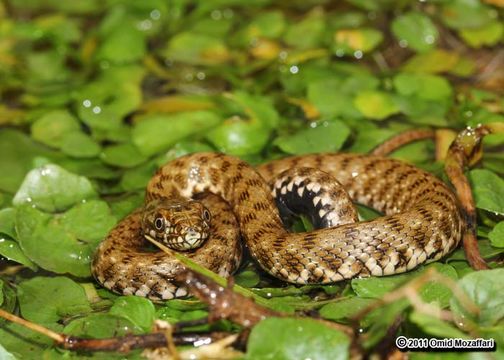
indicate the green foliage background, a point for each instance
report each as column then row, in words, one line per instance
column 95, row 95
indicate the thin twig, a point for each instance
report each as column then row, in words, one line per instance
column 32, row 326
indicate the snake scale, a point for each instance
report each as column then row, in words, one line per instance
column 421, row 223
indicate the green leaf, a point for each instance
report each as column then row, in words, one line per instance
column 377, row 287
column 69, row 239
column 155, row 133
column 52, row 188
column 10, row 250
column 7, row 298
column 247, row 278
column 345, row 308
column 353, row 41
column 139, row 311
column 424, row 86
column 5, row 355
column 122, row 45
column 496, row 236
column 488, row 190
column 46, row 300
column 432, row 62
column 326, row 136
column 52, row 127
column 296, row 339
column 308, row 32
column 123, row 155
column 239, row 137
column 485, row 289
column 464, row 14
column 80, row 145
column 415, row 30
column 376, row 105
column 436, row 327
column 488, row 35
column 197, row 49
column 101, row 326
column 7, row 221
column 18, row 152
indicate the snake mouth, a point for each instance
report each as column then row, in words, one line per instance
column 189, row 241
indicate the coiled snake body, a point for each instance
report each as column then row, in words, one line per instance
column 422, row 223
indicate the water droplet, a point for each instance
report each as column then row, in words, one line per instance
column 201, row 75
column 216, row 14
column 429, row 39
column 155, row 14
column 283, row 55
column 145, row 25
column 340, row 53
column 86, row 103
column 358, row 54
column 403, row 43
column 97, row 110
column 468, row 113
column 294, row 69
column 313, row 124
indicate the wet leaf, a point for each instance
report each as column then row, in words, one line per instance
column 69, row 239
column 487, row 35
column 80, row 145
column 123, row 155
column 197, row 49
column 486, row 289
column 46, row 300
column 10, row 250
column 296, row 339
column 353, row 41
column 436, row 327
column 18, row 153
column 496, row 236
column 123, row 44
column 415, row 30
column 432, row 62
column 52, row 127
column 7, row 221
column 423, row 86
column 239, row 137
column 155, row 133
column 139, row 311
column 376, row 105
column 488, row 190
column 345, row 308
column 52, row 188
column 101, row 326
column 326, row 136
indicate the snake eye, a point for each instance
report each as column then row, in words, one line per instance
column 159, row 223
column 206, row 215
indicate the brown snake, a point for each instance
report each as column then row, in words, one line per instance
column 421, row 224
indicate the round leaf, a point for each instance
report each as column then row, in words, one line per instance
column 296, row 339
column 415, row 30
column 49, row 299
column 52, row 188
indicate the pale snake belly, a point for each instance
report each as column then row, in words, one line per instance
column 421, row 223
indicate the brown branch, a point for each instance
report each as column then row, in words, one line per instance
column 121, row 344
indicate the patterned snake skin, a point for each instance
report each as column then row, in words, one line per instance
column 422, row 223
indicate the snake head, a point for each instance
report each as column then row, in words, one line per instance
column 180, row 224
